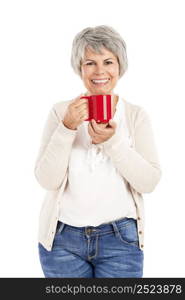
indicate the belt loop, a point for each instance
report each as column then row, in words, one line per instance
column 61, row 227
column 116, row 230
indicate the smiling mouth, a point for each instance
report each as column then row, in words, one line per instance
column 100, row 82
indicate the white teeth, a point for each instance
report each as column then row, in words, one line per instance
column 100, row 81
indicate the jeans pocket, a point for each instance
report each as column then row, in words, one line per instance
column 128, row 233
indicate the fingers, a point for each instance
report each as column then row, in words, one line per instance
column 99, row 135
column 112, row 124
column 82, row 107
column 79, row 101
column 90, row 130
column 83, row 112
column 79, row 108
column 96, row 128
column 83, row 115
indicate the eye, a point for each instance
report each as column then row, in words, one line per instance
column 89, row 63
column 108, row 62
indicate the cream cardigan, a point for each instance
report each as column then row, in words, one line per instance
column 138, row 164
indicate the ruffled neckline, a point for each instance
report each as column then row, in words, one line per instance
column 95, row 152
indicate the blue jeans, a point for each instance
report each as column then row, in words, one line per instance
column 108, row 250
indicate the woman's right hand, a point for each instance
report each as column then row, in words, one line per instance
column 76, row 113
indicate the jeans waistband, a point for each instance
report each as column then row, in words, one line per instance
column 103, row 227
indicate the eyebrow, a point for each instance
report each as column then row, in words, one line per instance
column 104, row 59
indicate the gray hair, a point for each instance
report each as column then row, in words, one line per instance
column 96, row 38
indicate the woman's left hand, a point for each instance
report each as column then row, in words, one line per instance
column 101, row 132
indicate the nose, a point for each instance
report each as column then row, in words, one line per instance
column 99, row 70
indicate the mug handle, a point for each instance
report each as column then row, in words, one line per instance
column 86, row 97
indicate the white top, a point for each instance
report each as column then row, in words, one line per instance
column 96, row 193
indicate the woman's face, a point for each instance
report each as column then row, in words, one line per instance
column 100, row 72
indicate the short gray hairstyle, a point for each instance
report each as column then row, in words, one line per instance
column 97, row 38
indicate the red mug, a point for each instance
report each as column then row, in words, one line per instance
column 100, row 108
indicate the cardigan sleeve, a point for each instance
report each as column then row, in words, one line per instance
column 52, row 160
column 139, row 166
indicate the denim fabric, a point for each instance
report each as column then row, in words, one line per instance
column 109, row 250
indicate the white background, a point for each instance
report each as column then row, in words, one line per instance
column 35, row 73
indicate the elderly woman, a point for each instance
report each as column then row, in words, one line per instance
column 92, row 218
